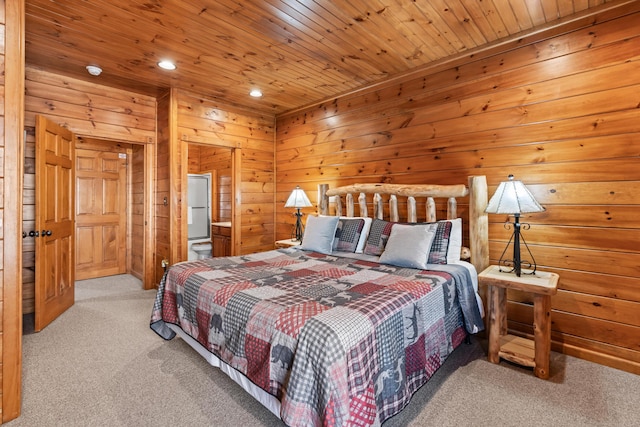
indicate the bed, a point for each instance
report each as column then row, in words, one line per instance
column 345, row 328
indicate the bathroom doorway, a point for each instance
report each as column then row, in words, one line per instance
column 209, row 221
column 199, row 215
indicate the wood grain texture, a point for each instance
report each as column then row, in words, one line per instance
column 137, row 229
column 540, row 286
column 215, row 160
column 518, row 350
column 296, row 52
column 55, row 213
column 178, row 166
column 89, row 109
column 497, row 321
column 11, row 173
column 103, row 209
column 402, row 190
column 162, row 210
column 541, row 333
column 560, row 113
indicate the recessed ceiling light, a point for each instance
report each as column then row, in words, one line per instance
column 166, row 65
column 94, row 70
column 256, row 93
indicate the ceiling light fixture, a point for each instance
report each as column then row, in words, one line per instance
column 166, row 65
column 94, row 70
column 256, row 93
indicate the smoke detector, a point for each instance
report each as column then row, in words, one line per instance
column 94, row 70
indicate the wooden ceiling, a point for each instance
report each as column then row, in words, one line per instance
column 296, row 51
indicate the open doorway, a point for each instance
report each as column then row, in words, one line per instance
column 112, row 192
column 110, row 197
column 210, row 176
column 199, row 218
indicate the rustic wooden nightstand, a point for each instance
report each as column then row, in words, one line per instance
column 520, row 350
column 286, row 243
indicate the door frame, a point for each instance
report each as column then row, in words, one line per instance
column 148, row 279
column 14, row 83
column 236, row 169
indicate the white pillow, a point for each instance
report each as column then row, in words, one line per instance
column 408, row 246
column 319, row 233
column 364, row 233
column 455, row 241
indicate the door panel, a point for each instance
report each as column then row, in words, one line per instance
column 101, row 213
column 55, row 251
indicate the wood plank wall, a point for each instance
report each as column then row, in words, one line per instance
column 217, row 162
column 89, row 110
column 162, row 211
column 561, row 114
column 194, row 158
column 136, row 215
column 207, row 122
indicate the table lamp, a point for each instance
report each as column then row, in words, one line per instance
column 298, row 199
column 513, row 198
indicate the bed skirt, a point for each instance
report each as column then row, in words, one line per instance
column 265, row 399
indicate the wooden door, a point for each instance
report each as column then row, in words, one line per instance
column 55, row 244
column 101, row 212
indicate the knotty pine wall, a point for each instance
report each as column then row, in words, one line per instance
column 162, row 204
column 89, row 110
column 561, row 114
column 136, row 216
column 219, row 160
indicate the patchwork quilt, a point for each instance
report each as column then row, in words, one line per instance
column 338, row 341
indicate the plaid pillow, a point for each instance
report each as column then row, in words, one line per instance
column 378, row 236
column 380, row 231
column 440, row 244
column 441, row 239
column 348, row 234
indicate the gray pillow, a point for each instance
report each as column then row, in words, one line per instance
column 408, row 246
column 319, row 233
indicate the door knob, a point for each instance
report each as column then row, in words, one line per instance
column 46, row 232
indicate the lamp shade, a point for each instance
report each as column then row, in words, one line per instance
column 512, row 197
column 298, row 199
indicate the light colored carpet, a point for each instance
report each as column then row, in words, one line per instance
column 99, row 364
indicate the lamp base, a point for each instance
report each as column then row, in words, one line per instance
column 298, row 230
column 516, row 264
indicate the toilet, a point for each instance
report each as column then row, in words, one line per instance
column 202, row 249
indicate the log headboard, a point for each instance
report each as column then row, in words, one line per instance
column 476, row 189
